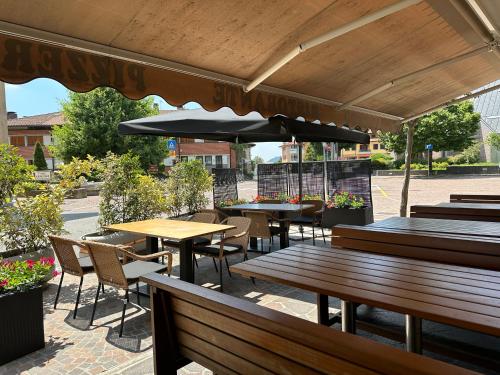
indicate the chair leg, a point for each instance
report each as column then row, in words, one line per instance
column 195, row 261
column 253, row 280
column 261, row 245
column 125, row 301
column 323, row 233
column 58, row 290
column 138, row 294
column 269, row 247
column 227, row 265
column 245, row 257
column 220, row 274
column 95, row 304
column 215, row 265
column 102, row 288
column 301, row 229
column 78, row 297
column 314, row 238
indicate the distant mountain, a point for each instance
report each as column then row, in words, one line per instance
column 276, row 159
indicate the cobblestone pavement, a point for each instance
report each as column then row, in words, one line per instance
column 72, row 347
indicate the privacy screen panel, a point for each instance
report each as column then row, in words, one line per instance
column 272, row 179
column 312, row 178
column 353, row 176
column 225, row 185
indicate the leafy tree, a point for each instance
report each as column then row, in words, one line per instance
column 14, row 171
column 256, row 161
column 449, row 129
column 91, row 127
column 39, row 158
column 470, row 155
column 314, row 151
column 494, row 140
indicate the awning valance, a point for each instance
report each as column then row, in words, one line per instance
column 365, row 64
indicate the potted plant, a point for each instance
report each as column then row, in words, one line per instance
column 21, row 306
column 346, row 208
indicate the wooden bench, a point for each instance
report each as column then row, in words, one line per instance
column 471, row 251
column 474, row 198
column 458, row 211
column 232, row 336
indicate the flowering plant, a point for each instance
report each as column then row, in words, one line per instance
column 273, row 196
column 344, row 199
column 306, row 197
column 19, row 276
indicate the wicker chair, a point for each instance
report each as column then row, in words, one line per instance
column 234, row 241
column 311, row 216
column 110, row 270
column 64, row 249
column 220, row 216
column 260, row 227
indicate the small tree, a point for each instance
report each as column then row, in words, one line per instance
column 39, row 158
column 494, row 140
column 14, row 172
column 314, row 151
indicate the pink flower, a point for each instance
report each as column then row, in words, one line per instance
column 30, row 263
column 55, row 273
column 47, row 261
column 3, row 283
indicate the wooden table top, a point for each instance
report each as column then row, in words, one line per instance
column 475, row 206
column 465, row 227
column 171, row 229
column 460, row 296
column 287, row 207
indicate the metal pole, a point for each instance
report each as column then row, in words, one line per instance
column 325, row 186
column 413, row 334
column 300, row 172
column 348, row 316
column 4, row 138
column 406, row 183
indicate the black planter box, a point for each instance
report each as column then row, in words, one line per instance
column 21, row 324
column 334, row 216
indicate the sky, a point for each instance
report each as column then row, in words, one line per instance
column 44, row 96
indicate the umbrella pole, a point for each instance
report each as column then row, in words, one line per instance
column 406, row 182
column 300, row 172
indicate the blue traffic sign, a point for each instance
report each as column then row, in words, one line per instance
column 429, row 147
column 172, row 144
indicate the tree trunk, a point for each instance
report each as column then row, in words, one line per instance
column 406, row 183
column 3, row 115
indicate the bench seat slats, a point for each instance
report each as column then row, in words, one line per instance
column 260, row 339
column 207, row 307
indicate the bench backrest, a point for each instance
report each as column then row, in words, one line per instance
column 455, row 213
column 470, row 251
column 474, row 198
column 230, row 335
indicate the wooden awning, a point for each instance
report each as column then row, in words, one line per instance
column 370, row 76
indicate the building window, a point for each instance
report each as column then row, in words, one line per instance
column 186, row 140
column 33, row 139
column 184, row 158
column 218, row 161
column 208, row 160
column 295, row 157
column 375, row 146
column 17, row 140
column 382, row 147
column 363, row 147
column 200, row 158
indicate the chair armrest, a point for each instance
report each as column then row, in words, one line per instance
column 128, row 252
column 232, row 237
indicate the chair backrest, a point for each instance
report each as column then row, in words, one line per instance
column 205, row 217
column 456, row 213
column 259, row 226
column 470, row 251
column 65, row 253
column 231, row 335
column 107, row 265
column 242, row 225
column 317, row 205
column 219, row 215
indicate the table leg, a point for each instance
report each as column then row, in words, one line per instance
column 348, row 316
column 413, row 334
column 283, row 232
column 322, row 303
column 186, row 260
column 152, row 245
column 253, row 242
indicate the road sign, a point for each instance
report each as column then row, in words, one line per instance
column 172, row 144
column 171, row 154
column 429, row 147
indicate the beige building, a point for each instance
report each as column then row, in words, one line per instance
column 289, row 152
column 365, row 151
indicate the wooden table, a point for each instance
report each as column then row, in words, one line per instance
column 281, row 208
column 465, row 227
column 177, row 230
column 465, row 297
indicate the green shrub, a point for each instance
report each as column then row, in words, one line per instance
column 128, row 195
column 14, row 172
column 470, row 155
column 344, row 199
column 39, row 158
column 187, row 184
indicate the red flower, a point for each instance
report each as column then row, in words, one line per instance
column 30, row 263
column 47, row 261
column 3, row 283
column 55, row 273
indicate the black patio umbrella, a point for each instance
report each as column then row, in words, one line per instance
column 225, row 125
